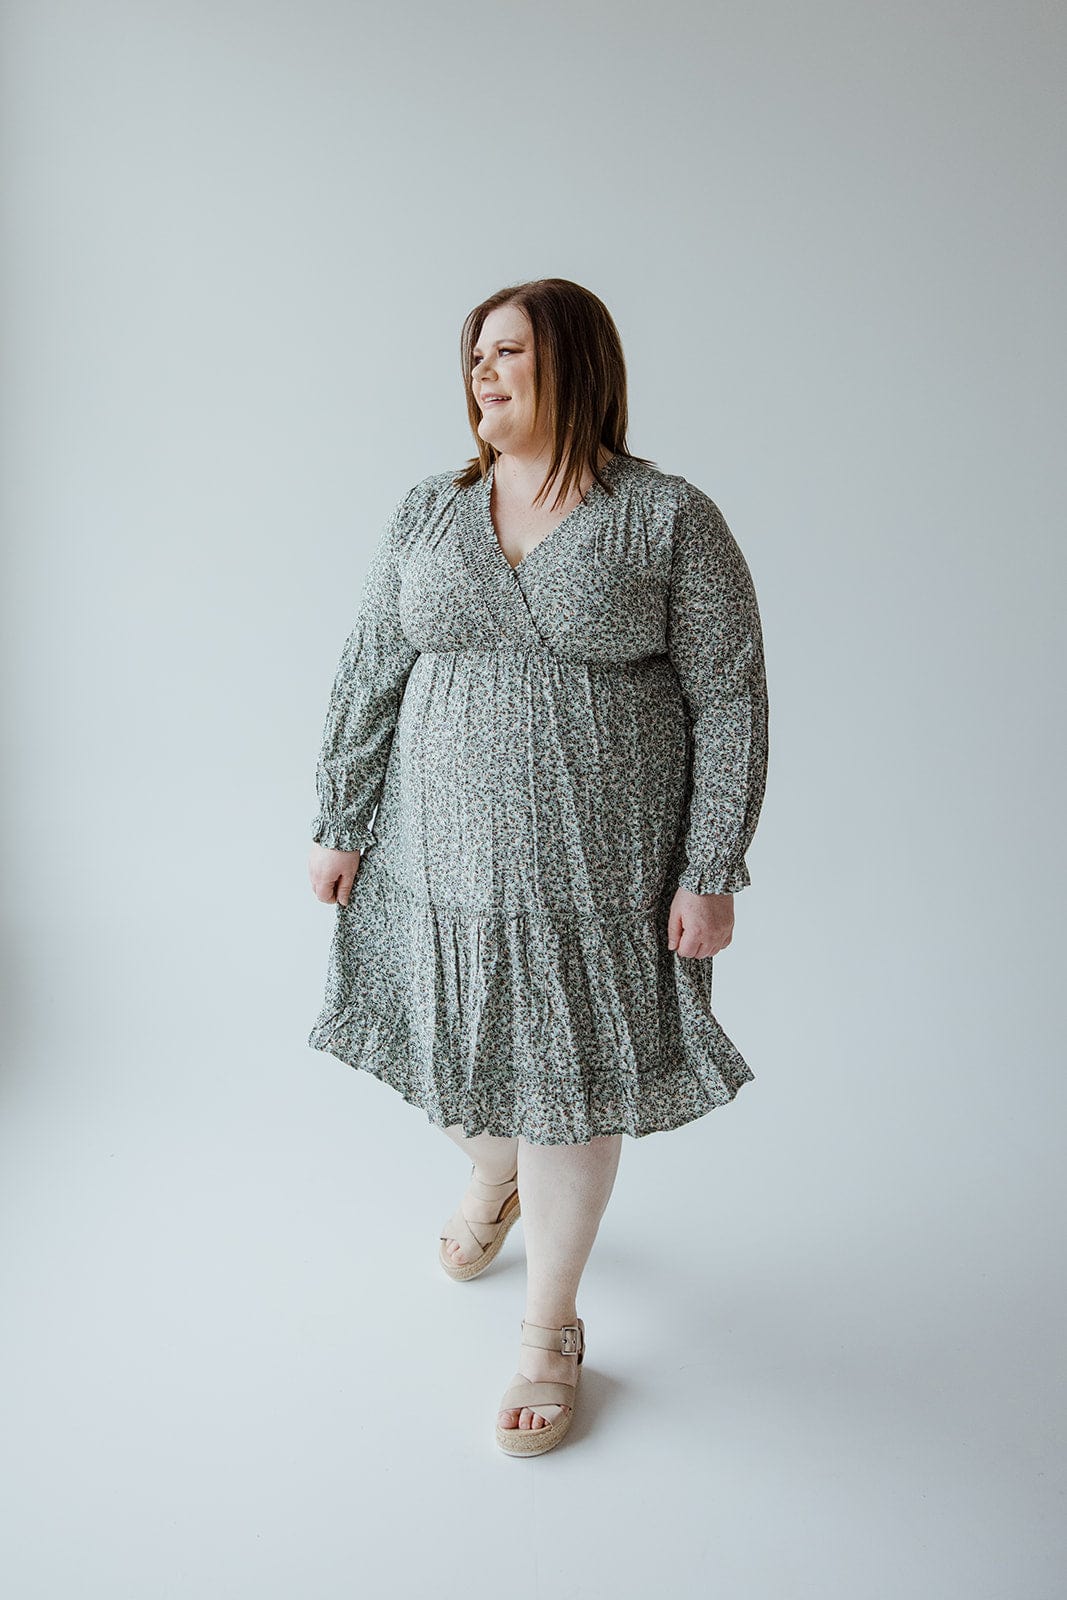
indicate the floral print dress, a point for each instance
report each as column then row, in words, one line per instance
column 533, row 759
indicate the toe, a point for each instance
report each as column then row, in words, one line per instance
column 508, row 1419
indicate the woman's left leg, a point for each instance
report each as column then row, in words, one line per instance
column 565, row 1189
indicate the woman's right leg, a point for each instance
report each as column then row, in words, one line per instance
column 495, row 1161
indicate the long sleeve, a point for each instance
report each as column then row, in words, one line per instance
column 715, row 643
column 365, row 701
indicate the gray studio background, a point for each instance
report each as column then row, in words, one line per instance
column 239, row 243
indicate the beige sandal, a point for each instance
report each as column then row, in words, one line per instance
column 472, row 1235
column 536, row 1392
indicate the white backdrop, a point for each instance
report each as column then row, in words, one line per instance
column 239, row 242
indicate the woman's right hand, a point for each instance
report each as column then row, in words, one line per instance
column 333, row 872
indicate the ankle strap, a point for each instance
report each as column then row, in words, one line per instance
column 568, row 1340
column 505, row 1183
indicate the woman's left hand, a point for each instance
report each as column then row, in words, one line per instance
column 700, row 924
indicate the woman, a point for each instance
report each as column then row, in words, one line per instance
column 555, row 697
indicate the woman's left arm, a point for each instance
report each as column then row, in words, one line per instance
column 715, row 642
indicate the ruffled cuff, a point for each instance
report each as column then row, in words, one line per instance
column 334, row 833
column 709, row 879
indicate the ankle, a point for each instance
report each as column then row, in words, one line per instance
column 549, row 1315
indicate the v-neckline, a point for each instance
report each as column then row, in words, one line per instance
column 593, row 493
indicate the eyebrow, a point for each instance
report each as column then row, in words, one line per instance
column 503, row 341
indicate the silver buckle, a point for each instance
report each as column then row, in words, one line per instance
column 574, row 1347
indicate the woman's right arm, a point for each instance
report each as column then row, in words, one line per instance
column 364, row 703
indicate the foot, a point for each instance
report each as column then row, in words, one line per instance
column 477, row 1210
column 549, row 1366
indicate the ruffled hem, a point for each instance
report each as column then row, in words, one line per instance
column 333, row 833
column 603, row 1113
column 709, row 879
column 558, row 1029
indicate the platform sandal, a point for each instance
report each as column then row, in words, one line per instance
column 485, row 1237
column 536, row 1392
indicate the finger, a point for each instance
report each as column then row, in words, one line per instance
column 348, row 878
column 674, row 928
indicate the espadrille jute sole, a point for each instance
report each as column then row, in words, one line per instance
column 535, row 1441
column 509, row 1215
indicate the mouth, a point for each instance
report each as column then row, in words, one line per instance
column 495, row 399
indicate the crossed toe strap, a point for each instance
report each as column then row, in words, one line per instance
column 457, row 1227
column 471, row 1234
column 536, row 1392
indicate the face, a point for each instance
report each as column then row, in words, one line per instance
column 503, row 364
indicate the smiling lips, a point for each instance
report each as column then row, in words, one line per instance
column 494, row 399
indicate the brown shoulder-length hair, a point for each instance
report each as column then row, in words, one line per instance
column 579, row 379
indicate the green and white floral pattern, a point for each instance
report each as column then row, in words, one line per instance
column 533, row 759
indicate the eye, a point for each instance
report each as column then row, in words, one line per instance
column 505, row 350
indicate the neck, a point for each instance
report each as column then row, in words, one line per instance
column 522, row 471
